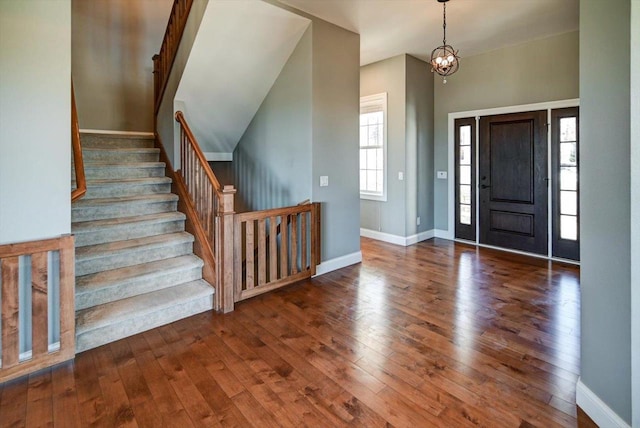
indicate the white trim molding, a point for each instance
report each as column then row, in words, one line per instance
column 597, row 410
column 395, row 239
column 338, row 263
column 218, row 157
column 123, row 133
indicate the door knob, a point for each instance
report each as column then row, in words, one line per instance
column 484, row 186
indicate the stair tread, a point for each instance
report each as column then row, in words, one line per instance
column 122, row 149
column 111, row 313
column 155, row 197
column 85, row 226
column 96, row 182
column 108, row 278
column 118, row 247
column 103, row 164
column 117, row 136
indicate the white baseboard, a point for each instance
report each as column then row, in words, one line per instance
column 381, row 236
column 338, row 263
column 422, row 236
column 443, row 234
column 125, row 133
column 395, row 239
column 597, row 410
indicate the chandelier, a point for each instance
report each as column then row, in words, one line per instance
column 444, row 59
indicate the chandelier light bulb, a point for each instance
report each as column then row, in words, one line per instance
column 438, row 60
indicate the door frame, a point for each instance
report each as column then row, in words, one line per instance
column 450, row 232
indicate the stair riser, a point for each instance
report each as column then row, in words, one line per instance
column 124, row 232
column 104, row 142
column 117, row 172
column 118, row 190
column 118, row 156
column 129, row 327
column 120, row 210
column 130, row 258
column 137, row 286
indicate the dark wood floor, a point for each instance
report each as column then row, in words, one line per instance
column 436, row 334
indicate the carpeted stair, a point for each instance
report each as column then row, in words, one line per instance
column 135, row 268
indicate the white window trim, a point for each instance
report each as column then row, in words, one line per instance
column 368, row 100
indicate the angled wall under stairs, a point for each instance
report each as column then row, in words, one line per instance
column 135, row 268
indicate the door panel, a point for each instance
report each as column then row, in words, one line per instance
column 513, row 181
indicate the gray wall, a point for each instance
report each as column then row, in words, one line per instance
column 409, row 87
column 336, row 109
column 388, row 76
column 112, row 45
column 272, row 161
column 35, row 136
column 605, row 204
column 419, row 141
column 166, row 124
column 635, row 212
column 35, row 117
column 538, row 71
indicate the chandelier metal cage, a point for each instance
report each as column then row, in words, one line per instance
column 444, row 59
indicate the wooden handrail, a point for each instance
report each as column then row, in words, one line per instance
column 198, row 152
column 213, row 206
column 163, row 61
column 78, row 162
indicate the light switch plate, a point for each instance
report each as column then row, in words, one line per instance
column 442, row 175
column 400, row 175
column 324, row 180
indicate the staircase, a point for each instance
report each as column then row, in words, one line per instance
column 135, row 269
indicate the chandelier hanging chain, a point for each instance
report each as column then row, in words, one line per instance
column 444, row 23
column 444, row 59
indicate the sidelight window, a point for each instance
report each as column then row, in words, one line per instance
column 565, row 130
column 465, row 178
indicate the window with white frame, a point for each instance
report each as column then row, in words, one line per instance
column 373, row 147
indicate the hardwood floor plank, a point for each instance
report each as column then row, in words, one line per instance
column 437, row 334
column 13, row 402
column 66, row 409
column 40, row 399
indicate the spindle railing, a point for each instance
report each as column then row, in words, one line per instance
column 76, row 150
column 214, row 208
column 253, row 252
column 163, row 62
column 287, row 248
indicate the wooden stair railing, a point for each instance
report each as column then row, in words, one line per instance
column 288, row 248
column 163, row 62
column 78, row 162
column 255, row 248
column 213, row 207
column 253, row 252
column 36, row 256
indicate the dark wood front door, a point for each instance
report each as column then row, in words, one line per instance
column 513, row 181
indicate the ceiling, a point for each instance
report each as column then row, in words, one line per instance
column 392, row 27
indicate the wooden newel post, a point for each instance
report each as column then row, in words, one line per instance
column 226, row 213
